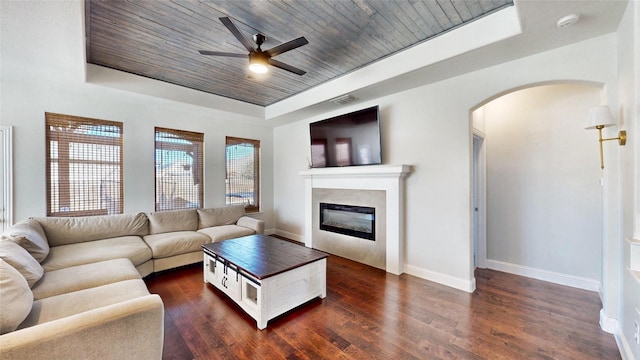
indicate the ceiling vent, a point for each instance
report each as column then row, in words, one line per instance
column 344, row 99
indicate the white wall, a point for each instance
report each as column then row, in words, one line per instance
column 428, row 128
column 543, row 193
column 628, row 116
column 42, row 54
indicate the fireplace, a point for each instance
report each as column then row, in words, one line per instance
column 357, row 221
column 377, row 186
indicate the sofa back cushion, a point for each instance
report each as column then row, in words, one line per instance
column 227, row 215
column 20, row 259
column 73, row 230
column 30, row 235
column 174, row 220
column 17, row 298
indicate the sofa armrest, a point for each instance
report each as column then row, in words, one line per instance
column 251, row 223
column 132, row 329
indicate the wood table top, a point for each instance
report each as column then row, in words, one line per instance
column 262, row 256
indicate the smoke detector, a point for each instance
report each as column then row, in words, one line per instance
column 568, row 20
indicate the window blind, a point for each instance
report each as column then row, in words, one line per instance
column 84, row 166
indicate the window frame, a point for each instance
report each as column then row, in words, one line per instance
column 319, row 162
column 230, row 141
column 51, row 136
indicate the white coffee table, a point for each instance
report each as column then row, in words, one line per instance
column 264, row 275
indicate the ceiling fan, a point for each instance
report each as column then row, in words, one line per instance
column 258, row 58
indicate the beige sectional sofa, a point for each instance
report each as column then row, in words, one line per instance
column 72, row 287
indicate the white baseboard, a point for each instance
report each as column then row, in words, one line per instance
column 612, row 326
column 288, row 235
column 444, row 279
column 623, row 344
column 607, row 324
column 545, row 275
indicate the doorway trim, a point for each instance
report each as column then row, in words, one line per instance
column 6, row 173
column 479, row 200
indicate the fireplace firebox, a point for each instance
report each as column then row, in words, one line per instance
column 358, row 221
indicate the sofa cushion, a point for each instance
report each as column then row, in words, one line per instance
column 85, row 276
column 60, row 306
column 21, row 260
column 255, row 224
column 130, row 247
column 175, row 243
column 17, row 299
column 227, row 215
column 176, row 220
column 30, row 235
column 73, row 230
column 225, row 232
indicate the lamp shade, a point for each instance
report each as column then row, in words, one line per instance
column 600, row 116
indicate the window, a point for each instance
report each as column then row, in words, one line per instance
column 84, row 166
column 179, row 163
column 243, row 173
column 319, row 153
column 343, row 151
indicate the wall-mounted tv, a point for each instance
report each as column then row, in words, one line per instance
column 346, row 140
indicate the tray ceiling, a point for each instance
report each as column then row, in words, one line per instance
column 161, row 39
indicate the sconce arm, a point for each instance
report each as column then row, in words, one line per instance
column 622, row 138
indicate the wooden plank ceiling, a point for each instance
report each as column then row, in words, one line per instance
column 161, row 39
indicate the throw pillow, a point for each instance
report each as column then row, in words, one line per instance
column 21, row 260
column 227, row 215
column 30, row 235
column 175, row 220
column 17, row 298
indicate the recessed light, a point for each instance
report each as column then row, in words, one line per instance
column 568, row 20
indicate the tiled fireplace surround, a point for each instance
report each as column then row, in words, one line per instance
column 380, row 186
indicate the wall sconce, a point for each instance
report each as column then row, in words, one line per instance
column 599, row 118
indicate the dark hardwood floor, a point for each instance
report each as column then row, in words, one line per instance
column 369, row 314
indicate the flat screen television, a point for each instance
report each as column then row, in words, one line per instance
column 346, row 140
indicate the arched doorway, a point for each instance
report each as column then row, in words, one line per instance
column 543, row 206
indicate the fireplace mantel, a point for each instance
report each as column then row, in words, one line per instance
column 389, row 178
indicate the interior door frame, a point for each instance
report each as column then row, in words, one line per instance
column 6, row 174
column 479, row 200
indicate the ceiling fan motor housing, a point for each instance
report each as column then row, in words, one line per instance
column 259, row 39
column 258, row 57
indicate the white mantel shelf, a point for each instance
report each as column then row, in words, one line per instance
column 389, row 178
column 359, row 171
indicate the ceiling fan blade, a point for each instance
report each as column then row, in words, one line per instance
column 236, row 32
column 287, row 67
column 218, row 53
column 287, row 46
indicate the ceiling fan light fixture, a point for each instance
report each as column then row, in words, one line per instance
column 258, row 63
column 258, row 68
